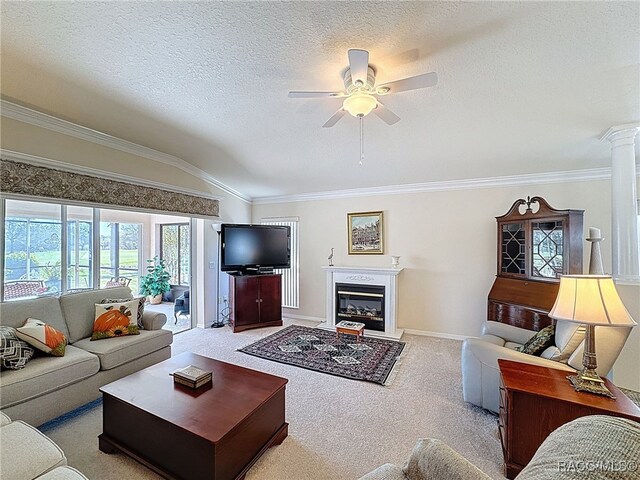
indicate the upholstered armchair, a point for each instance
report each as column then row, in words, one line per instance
column 480, row 373
column 181, row 306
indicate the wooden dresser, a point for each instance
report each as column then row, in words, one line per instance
column 535, row 400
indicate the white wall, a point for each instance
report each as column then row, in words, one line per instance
column 447, row 244
column 446, row 240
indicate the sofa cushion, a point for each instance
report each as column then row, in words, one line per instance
column 513, row 346
column 79, row 309
column 117, row 351
column 539, row 342
column 26, row 452
column 47, row 309
column 43, row 337
column 46, row 374
column 115, row 320
column 139, row 310
column 63, row 473
column 14, row 353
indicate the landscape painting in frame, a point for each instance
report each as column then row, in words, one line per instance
column 365, row 233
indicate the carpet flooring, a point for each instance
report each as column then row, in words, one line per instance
column 425, row 400
column 370, row 359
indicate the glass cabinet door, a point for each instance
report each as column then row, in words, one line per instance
column 513, row 248
column 547, row 240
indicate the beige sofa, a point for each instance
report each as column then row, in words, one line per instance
column 596, row 447
column 27, row 453
column 50, row 386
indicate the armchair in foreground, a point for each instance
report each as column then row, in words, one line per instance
column 596, row 447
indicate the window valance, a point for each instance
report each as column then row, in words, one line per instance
column 36, row 181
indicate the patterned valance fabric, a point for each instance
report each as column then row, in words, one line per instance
column 26, row 179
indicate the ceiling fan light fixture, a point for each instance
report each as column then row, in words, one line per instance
column 360, row 104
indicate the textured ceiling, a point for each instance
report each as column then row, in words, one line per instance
column 523, row 87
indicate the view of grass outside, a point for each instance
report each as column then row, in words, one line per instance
column 119, row 252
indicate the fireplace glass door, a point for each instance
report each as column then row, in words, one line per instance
column 361, row 303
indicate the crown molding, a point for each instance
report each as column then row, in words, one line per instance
column 94, row 172
column 447, row 185
column 33, row 117
column 628, row 130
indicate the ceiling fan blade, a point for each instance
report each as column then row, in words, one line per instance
column 335, row 118
column 298, row 94
column 411, row 83
column 359, row 66
column 385, row 114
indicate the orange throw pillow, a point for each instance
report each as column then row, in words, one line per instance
column 116, row 320
column 43, row 337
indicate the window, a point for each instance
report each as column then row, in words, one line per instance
column 50, row 249
column 79, row 248
column 32, row 249
column 290, row 276
column 120, row 252
column 175, row 241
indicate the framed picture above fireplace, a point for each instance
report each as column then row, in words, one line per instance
column 365, row 234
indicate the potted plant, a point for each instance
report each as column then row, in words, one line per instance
column 156, row 281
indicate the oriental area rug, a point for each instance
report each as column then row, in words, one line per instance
column 370, row 359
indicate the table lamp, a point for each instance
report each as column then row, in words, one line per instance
column 590, row 300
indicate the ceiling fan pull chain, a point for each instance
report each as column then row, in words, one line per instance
column 361, row 140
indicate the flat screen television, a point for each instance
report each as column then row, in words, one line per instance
column 254, row 247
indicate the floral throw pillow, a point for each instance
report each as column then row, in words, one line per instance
column 140, row 310
column 43, row 337
column 116, row 320
column 540, row 341
column 14, row 353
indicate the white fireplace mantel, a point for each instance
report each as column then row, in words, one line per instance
column 386, row 277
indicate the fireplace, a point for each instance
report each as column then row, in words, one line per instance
column 369, row 295
column 361, row 303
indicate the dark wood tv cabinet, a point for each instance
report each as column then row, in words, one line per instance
column 255, row 301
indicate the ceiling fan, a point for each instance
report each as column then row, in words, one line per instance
column 361, row 90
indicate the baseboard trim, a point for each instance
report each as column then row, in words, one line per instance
column 427, row 333
column 303, row 317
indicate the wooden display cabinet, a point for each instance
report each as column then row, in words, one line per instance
column 255, row 301
column 539, row 245
column 534, row 249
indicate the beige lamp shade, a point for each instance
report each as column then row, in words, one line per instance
column 590, row 299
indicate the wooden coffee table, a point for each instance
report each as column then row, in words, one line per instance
column 215, row 432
